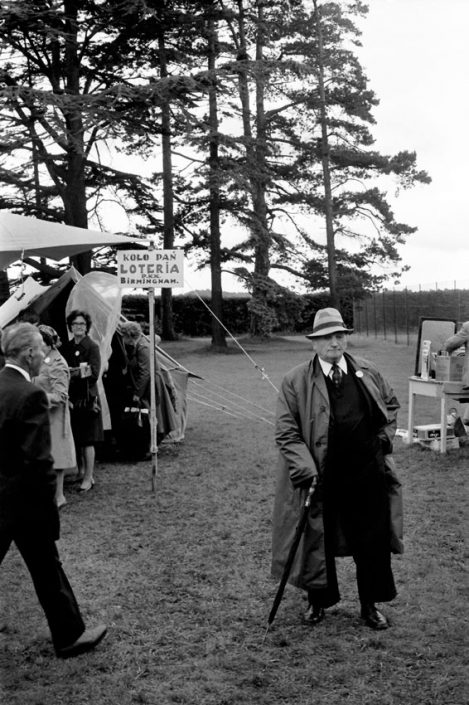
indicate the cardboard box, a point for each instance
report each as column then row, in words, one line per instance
column 429, row 436
column 435, row 444
column 429, row 431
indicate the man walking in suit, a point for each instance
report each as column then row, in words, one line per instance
column 28, row 513
column 336, row 419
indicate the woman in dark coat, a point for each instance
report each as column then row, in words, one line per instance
column 84, row 360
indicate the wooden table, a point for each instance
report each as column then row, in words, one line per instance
column 446, row 392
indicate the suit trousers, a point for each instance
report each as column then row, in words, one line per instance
column 356, row 500
column 54, row 592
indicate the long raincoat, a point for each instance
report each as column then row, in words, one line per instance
column 302, row 432
column 54, row 378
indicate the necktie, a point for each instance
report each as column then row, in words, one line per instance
column 336, row 375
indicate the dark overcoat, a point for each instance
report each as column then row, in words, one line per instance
column 86, row 417
column 75, row 353
column 27, row 477
column 140, row 383
column 302, row 434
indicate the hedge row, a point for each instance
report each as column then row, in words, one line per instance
column 293, row 313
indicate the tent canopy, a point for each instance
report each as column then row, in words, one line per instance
column 99, row 294
column 30, row 237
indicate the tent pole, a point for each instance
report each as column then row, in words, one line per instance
column 153, row 419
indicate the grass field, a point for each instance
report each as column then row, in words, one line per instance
column 182, row 577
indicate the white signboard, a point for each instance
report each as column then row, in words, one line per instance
column 150, row 269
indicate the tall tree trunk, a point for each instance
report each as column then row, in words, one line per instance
column 218, row 333
column 167, row 322
column 325, row 159
column 255, row 167
column 259, row 323
column 75, row 189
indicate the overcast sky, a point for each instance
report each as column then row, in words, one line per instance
column 415, row 54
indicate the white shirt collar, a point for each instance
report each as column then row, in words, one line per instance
column 327, row 366
column 19, row 369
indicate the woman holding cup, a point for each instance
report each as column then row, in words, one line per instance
column 84, row 360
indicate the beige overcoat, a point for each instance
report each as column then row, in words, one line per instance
column 54, row 378
column 302, row 427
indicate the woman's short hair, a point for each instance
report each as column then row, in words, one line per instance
column 132, row 329
column 17, row 337
column 49, row 335
column 74, row 314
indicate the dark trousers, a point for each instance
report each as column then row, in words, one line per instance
column 356, row 504
column 375, row 581
column 54, row 592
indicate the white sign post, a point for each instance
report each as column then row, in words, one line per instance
column 150, row 269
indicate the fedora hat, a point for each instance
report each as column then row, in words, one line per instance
column 327, row 321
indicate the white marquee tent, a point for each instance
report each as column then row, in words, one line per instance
column 22, row 237
column 30, row 237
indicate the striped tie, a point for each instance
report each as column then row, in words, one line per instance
column 336, row 375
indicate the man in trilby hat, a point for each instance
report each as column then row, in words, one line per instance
column 336, row 420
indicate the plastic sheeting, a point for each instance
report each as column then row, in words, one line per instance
column 100, row 296
column 26, row 293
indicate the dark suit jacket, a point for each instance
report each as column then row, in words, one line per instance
column 27, row 477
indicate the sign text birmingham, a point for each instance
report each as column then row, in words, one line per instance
column 157, row 281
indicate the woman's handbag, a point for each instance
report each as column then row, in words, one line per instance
column 87, row 402
column 134, row 433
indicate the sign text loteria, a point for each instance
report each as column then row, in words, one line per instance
column 151, row 268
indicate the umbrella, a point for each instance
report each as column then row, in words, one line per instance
column 291, row 555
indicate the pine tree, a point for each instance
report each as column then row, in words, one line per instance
column 75, row 83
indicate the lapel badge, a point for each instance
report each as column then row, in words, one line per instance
column 359, row 373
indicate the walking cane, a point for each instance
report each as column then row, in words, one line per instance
column 291, row 555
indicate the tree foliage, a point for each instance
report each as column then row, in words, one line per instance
column 262, row 111
column 77, row 83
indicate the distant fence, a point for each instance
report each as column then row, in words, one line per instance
column 395, row 315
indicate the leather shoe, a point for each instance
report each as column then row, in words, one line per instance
column 87, row 641
column 314, row 615
column 373, row 617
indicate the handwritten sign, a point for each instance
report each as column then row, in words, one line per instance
column 162, row 269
